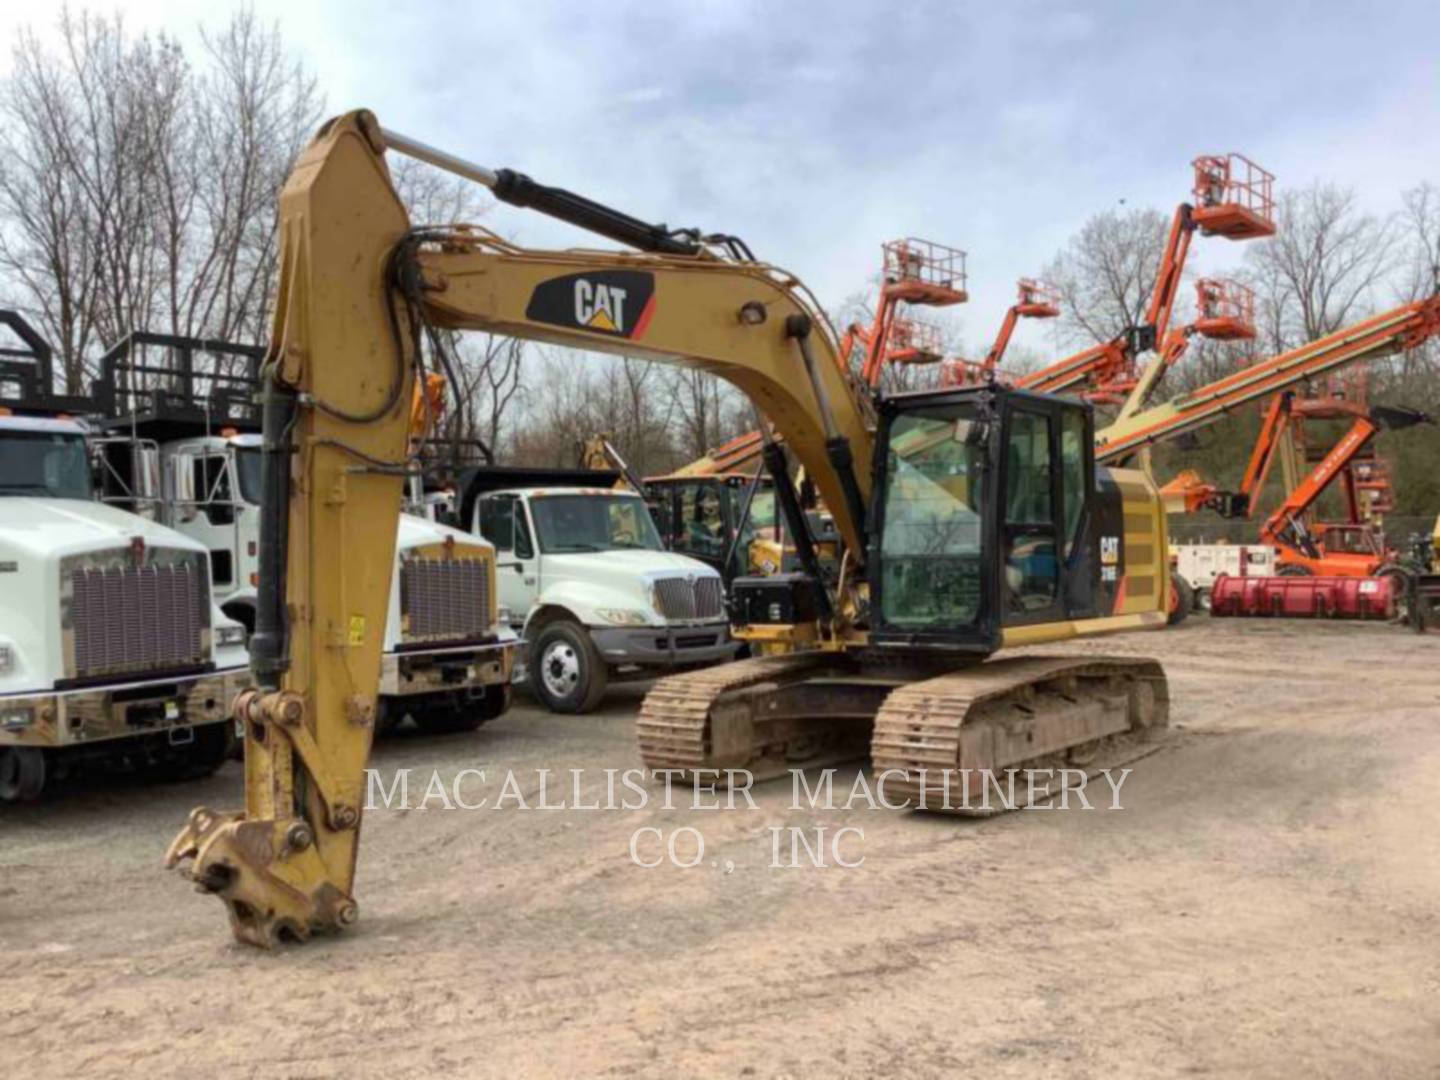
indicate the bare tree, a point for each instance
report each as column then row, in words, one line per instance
column 138, row 193
column 1420, row 222
column 1107, row 272
column 1320, row 269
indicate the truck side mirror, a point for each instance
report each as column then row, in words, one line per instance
column 147, row 474
column 182, row 475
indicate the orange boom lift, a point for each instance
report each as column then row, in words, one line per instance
column 1035, row 300
column 1234, row 199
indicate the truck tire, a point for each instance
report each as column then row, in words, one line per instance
column 455, row 715
column 1400, row 582
column 566, row 671
column 22, row 773
column 1184, row 601
column 389, row 715
column 1291, row 569
column 199, row 759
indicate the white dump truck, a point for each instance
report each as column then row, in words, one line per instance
column 111, row 650
column 585, row 578
column 177, row 433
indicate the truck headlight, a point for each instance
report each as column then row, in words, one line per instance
column 230, row 635
column 504, row 616
column 16, row 717
column 623, row 616
column 7, row 659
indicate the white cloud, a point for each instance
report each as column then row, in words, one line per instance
column 819, row 131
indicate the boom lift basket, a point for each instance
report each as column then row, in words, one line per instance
column 1226, row 310
column 923, row 272
column 1234, row 197
column 915, row 341
column 1037, row 300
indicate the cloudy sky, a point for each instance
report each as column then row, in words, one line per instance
column 817, row 130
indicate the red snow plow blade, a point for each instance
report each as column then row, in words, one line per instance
column 1305, row 597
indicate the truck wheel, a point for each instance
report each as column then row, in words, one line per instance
column 22, row 773
column 1291, row 569
column 389, row 715
column 1400, row 584
column 201, row 758
column 457, row 714
column 566, row 671
column 1182, row 602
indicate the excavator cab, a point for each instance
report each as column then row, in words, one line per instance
column 984, row 517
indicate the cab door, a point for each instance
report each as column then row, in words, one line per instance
column 1047, row 566
column 502, row 521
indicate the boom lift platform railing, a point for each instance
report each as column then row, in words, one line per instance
column 919, row 273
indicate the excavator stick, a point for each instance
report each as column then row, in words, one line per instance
column 338, row 395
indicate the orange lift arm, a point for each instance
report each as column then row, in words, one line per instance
column 1280, row 524
column 1111, row 365
column 1234, row 199
column 916, row 272
column 1267, row 443
column 1036, row 300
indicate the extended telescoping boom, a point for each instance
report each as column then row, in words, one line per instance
column 1393, row 331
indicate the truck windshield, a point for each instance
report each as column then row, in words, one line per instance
column 247, row 466
column 569, row 523
column 930, row 539
column 43, row 463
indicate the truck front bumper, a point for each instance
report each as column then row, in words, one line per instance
column 428, row 671
column 63, row 718
column 665, row 646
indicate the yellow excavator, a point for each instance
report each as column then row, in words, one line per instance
column 971, row 520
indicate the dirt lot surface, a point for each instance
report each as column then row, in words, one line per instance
column 1263, row 905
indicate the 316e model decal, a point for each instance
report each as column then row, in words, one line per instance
column 617, row 303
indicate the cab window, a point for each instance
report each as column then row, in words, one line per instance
column 212, row 488
column 702, row 525
column 1073, row 450
column 1032, row 562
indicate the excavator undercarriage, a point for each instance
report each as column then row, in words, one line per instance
column 942, row 729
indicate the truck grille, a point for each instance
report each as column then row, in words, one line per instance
column 138, row 618
column 445, row 599
column 689, row 599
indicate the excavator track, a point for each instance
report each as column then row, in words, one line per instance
column 766, row 715
column 1029, row 712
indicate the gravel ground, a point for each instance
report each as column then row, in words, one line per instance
column 1263, row 905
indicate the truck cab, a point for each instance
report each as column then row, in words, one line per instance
column 584, row 576
column 707, row 517
column 112, row 651
column 448, row 658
